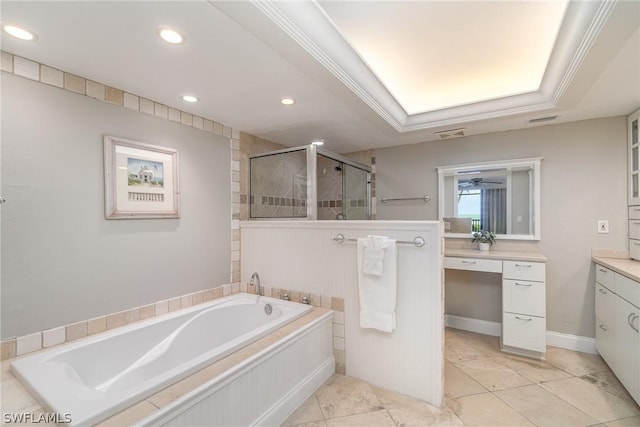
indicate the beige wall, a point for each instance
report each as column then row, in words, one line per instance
column 583, row 179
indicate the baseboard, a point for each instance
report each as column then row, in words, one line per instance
column 473, row 325
column 282, row 409
column 554, row 339
column 572, row 342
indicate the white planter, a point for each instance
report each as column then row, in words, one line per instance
column 484, row 246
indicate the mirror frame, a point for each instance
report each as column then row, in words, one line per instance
column 533, row 163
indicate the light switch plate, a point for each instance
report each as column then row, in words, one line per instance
column 603, row 226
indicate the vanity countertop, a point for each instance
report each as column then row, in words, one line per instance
column 502, row 255
column 627, row 267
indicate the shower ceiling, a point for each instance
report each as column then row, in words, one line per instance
column 241, row 58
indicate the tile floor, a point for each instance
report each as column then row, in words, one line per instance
column 484, row 387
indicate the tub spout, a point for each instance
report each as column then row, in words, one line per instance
column 255, row 281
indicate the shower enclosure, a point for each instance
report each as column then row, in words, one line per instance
column 308, row 182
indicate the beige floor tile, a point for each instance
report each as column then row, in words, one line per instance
column 458, row 384
column 342, row 395
column 408, row 411
column 129, row 415
column 321, row 423
column 457, row 349
column 589, row 398
column 15, row 398
column 543, row 408
column 486, row 343
column 574, row 362
column 607, row 381
column 625, row 422
column 486, row 410
column 308, row 412
column 536, row 371
column 369, row 419
column 492, row 374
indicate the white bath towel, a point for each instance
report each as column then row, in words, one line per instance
column 377, row 282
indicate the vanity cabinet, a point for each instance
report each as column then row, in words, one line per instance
column 617, row 322
column 524, row 306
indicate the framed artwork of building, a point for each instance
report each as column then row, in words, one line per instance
column 141, row 180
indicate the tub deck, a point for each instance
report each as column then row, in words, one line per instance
column 16, row 399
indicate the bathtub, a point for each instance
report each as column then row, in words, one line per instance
column 98, row 377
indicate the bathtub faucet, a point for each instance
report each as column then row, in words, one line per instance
column 255, row 281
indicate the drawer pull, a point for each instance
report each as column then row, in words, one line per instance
column 636, row 243
column 602, row 291
column 603, row 328
column 524, row 265
column 522, row 318
column 636, row 223
column 602, row 270
column 523, row 284
column 468, row 262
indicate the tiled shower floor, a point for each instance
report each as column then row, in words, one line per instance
column 484, row 387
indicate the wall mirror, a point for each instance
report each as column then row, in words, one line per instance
column 503, row 197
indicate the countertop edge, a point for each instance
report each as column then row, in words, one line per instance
column 620, row 266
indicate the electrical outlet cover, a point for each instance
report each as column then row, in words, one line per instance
column 603, row 226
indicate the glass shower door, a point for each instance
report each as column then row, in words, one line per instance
column 356, row 193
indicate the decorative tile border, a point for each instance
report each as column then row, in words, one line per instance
column 63, row 334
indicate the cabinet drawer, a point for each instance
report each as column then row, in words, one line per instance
column 628, row 289
column 605, row 305
column 473, row 264
column 524, row 297
column 634, row 212
column 634, row 229
column 524, row 270
column 634, row 248
column 605, row 342
column 605, row 277
column 526, row 332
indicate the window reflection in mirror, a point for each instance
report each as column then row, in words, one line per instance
column 502, row 197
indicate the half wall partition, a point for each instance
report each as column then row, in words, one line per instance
column 308, row 183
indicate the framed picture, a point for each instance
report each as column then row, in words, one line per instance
column 140, row 180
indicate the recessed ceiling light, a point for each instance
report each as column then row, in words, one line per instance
column 170, row 36
column 19, row 33
column 287, row 101
column 317, row 142
column 190, row 98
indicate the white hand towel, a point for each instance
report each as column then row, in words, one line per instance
column 377, row 292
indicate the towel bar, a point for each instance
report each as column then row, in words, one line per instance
column 387, row 199
column 418, row 241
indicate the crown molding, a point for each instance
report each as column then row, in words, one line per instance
column 309, row 26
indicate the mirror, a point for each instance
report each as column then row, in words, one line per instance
column 503, row 197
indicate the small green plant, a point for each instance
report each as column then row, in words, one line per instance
column 484, row 237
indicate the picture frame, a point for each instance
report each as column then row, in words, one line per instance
column 141, row 180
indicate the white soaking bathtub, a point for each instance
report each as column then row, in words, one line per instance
column 97, row 377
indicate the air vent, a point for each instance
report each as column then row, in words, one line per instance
column 543, row 119
column 451, row 133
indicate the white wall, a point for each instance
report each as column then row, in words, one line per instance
column 583, row 179
column 299, row 255
column 61, row 260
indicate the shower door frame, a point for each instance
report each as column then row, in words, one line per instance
column 312, row 151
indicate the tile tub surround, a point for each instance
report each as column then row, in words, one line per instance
column 34, row 342
column 44, row 74
column 570, row 389
column 21, row 401
column 315, row 299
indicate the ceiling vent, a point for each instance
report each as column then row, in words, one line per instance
column 451, row 133
column 542, row 119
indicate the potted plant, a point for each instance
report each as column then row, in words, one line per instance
column 486, row 239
